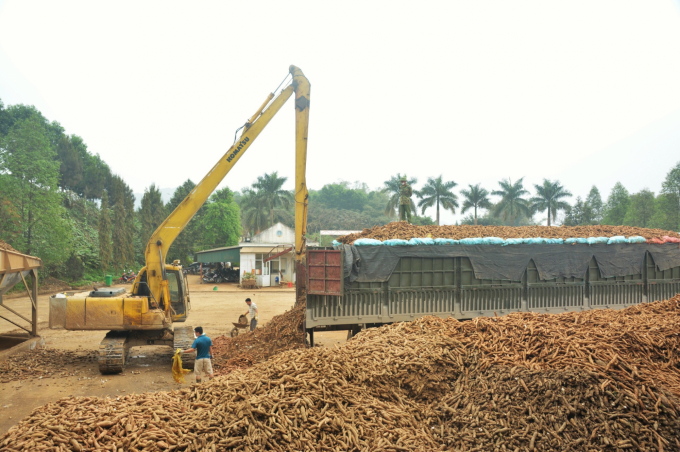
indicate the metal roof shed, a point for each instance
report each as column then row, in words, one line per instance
column 227, row 254
column 15, row 267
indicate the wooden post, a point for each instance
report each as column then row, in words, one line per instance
column 34, row 308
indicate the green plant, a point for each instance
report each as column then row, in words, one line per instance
column 511, row 205
column 437, row 193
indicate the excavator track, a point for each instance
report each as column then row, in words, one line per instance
column 184, row 338
column 114, row 350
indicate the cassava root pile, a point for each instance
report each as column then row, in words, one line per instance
column 42, row 363
column 403, row 230
column 281, row 333
column 595, row 380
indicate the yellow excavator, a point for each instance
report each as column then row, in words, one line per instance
column 160, row 293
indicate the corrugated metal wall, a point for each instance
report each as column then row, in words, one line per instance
column 447, row 287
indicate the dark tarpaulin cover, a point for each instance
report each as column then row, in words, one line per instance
column 376, row 263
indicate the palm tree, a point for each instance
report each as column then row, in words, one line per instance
column 392, row 187
column 548, row 198
column 475, row 198
column 436, row 192
column 254, row 214
column 270, row 193
column 511, row 204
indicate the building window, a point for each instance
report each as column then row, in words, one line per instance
column 261, row 265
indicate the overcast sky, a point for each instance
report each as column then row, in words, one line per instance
column 584, row 92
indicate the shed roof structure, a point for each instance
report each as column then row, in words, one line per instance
column 16, row 267
column 226, row 254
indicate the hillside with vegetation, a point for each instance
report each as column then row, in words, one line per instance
column 51, row 190
column 61, row 202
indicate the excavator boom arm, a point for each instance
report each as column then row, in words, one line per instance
column 167, row 232
column 302, row 88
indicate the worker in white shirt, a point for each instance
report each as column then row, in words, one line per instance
column 252, row 311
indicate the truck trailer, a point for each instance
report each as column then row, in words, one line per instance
column 355, row 287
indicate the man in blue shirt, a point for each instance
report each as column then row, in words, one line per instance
column 203, row 347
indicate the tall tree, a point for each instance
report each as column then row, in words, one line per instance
column 105, row 249
column 321, row 217
column 585, row 212
column 512, row 204
column 63, row 227
column 151, row 213
column 475, row 198
column 221, row 223
column 579, row 214
column 595, row 206
column 179, row 195
column 341, row 196
column 123, row 223
column 270, row 192
column 436, row 192
column 10, row 219
column 30, row 175
column 96, row 177
column 255, row 211
column 617, row 205
column 641, row 209
column 4, row 119
column 15, row 113
column 119, row 250
column 392, row 188
column 184, row 245
column 70, row 164
column 130, row 228
column 671, row 187
column 139, row 247
column 665, row 212
column 549, row 197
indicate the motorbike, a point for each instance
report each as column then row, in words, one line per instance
column 211, row 277
column 220, row 274
column 128, row 277
column 193, row 269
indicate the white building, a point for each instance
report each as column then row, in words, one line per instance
column 268, row 254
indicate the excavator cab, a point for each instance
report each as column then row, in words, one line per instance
column 179, row 293
column 177, row 286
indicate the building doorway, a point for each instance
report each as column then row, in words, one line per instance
column 275, row 267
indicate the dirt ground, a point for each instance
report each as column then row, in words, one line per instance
column 149, row 367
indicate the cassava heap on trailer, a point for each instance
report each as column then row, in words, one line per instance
column 362, row 281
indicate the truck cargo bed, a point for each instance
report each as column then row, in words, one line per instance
column 427, row 282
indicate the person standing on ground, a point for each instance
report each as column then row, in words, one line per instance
column 203, row 346
column 252, row 311
column 405, row 193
